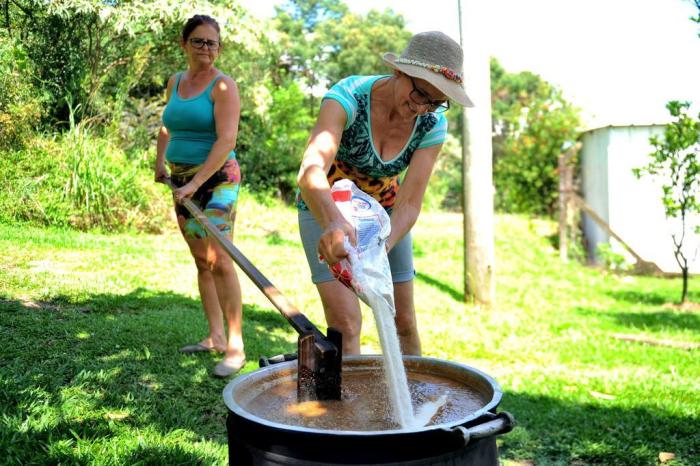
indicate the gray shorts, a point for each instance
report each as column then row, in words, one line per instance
column 400, row 257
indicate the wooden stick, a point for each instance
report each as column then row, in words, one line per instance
column 651, row 341
column 298, row 320
column 643, row 265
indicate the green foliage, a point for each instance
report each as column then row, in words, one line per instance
column 357, row 43
column 675, row 162
column 322, row 42
column 20, row 102
column 272, row 142
column 80, row 180
column 111, row 50
column 611, row 259
column 532, row 124
column 139, row 124
column 445, row 187
column 303, row 47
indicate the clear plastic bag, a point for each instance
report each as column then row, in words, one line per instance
column 366, row 270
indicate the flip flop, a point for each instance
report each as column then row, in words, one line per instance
column 197, row 348
column 225, row 368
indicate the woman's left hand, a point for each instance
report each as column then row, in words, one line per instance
column 185, row 191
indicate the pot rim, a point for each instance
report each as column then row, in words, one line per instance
column 237, row 409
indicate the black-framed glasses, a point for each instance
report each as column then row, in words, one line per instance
column 421, row 98
column 200, row 43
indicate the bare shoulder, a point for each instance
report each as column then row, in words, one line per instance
column 225, row 85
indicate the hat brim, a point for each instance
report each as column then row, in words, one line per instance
column 451, row 89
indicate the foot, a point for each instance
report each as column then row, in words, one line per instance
column 229, row 366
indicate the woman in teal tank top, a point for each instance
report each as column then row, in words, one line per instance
column 196, row 150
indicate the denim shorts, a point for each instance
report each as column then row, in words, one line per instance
column 400, row 257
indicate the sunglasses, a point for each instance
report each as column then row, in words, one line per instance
column 421, row 98
column 200, row 43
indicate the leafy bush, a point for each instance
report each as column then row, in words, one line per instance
column 111, row 51
column 445, row 187
column 611, row 259
column 20, row 101
column 271, row 142
column 82, row 180
column 138, row 127
column 532, row 123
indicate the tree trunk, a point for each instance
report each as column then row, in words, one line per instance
column 684, row 294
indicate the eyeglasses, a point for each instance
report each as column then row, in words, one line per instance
column 200, row 43
column 421, row 98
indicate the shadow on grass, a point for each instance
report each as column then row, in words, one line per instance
column 646, row 320
column 427, row 279
column 103, row 372
column 659, row 320
column 555, row 431
column 653, row 298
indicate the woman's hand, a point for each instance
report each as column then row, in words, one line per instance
column 161, row 172
column 331, row 245
column 185, row 191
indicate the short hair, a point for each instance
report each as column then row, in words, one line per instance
column 198, row 20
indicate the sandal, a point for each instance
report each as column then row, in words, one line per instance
column 198, row 348
column 226, row 368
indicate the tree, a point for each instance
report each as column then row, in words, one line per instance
column 358, row 42
column 303, row 47
column 532, row 123
column 93, row 55
column 675, row 162
column 322, row 42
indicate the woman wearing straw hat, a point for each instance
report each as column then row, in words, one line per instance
column 369, row 130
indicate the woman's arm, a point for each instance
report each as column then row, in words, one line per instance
column 227, row 113
column 163, row 139
column 409, row 200
column 313, row 183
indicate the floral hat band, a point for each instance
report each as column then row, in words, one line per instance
column 443, row 70
column 419, row 60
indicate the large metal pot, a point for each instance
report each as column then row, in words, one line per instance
column 469, row 440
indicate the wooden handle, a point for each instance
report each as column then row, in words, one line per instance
column 298, row 320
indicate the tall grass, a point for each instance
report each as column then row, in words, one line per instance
column 80, row 179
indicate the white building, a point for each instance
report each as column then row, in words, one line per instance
column 632, row 207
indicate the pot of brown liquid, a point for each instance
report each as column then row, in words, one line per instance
column 267, row 426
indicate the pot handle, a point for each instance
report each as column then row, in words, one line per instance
column 265, row 361
column 501, row 423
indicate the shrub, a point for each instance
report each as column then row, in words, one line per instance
column 271, row 141
column 20, row 102
column 82, row 180
column 445, row 187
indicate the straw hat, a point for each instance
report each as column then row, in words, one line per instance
column 433, row 57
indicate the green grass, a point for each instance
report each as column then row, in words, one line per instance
column 90, row 326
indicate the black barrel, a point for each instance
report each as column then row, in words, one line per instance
column 467, row 441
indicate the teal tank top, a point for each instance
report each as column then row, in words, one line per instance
column 190, row 123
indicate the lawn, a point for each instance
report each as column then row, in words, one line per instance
column 90, row 325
